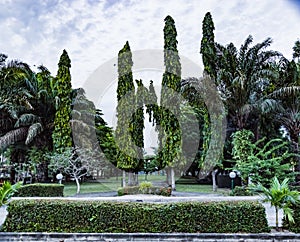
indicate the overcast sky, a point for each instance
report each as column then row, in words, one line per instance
column 92, row 31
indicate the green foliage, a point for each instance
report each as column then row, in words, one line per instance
column 7, row 191
column 280, row 197
column 155, row 190
column 296, row 50
column 261, row 161
column 170, row 133
column 41, row 190
column 145, row 185
column 138, row 120
column 152, row 108
column 295, row 226
column 62, row 89
column 116, row 217
column 208, row 49
column 241, row 191
column 105, row 138
column 125, row 130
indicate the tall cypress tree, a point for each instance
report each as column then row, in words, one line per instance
column 138, row 119
column 170, row 133
column 125, row 131
column 152, row 107
column 62, row 89
column 208, row 49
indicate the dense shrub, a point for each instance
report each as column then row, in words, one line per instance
column 98, row 216
column 241, row 191
column 155, row 190
column 41, row 190
column 293, row 227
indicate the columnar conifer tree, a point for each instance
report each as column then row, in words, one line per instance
column 209, row 58
column 138, row 119
column 170, row 134
column 127, row 152
column 152, row 107
column 208, row 49
column 62, row 90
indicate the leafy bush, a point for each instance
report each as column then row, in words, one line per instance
column 7, row 191
column 41, row 190
column 280, row 197
column 116, row 217
column 155, row 190
column 241, row 191
column 261, row 160
column 293, row 226
column 145, row 186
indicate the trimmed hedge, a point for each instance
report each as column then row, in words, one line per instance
column 293, row 227
column 241, row 191
column 155, row 190
column 41, row 190
column 133, row 217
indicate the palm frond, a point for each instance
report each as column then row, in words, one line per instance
column 12, row 137
column 26, row 119
column 34, row 130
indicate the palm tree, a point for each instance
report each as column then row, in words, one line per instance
column 280, row 197
column 26, row 105
column 242, row 77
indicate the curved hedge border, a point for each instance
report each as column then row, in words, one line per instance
column 155, row 190
column 117, row 217
column 41, row 190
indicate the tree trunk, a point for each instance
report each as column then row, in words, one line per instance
column 131, row 179
column 276, row 210
column 171, row 177
column 136, row 178
column 213, row 174
column 168, row 179
column 78, row 185
column 124, row 179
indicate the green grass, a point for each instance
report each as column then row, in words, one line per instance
column 200, row 189
column 88, row 187
column 112, row 184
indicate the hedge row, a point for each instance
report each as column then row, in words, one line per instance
column 155, row 190
column 133, row 217
column 41, row 190
column 293, row 227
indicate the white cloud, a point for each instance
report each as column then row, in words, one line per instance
column 94, row 31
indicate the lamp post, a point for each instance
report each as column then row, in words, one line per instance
column 232, row 175
column 59, row 177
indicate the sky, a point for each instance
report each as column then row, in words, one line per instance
column 93, row 31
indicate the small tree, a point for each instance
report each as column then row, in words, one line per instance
column 261, row 160
column 280, row 197
column 62, row 90
column 74, row 162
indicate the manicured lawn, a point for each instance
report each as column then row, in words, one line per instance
column 112, row 184
column 200, row 188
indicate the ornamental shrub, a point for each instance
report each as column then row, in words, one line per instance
column 145, row 189
column 72, row 216
column 241, row 191
column 293, row 227
column 41, row 190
